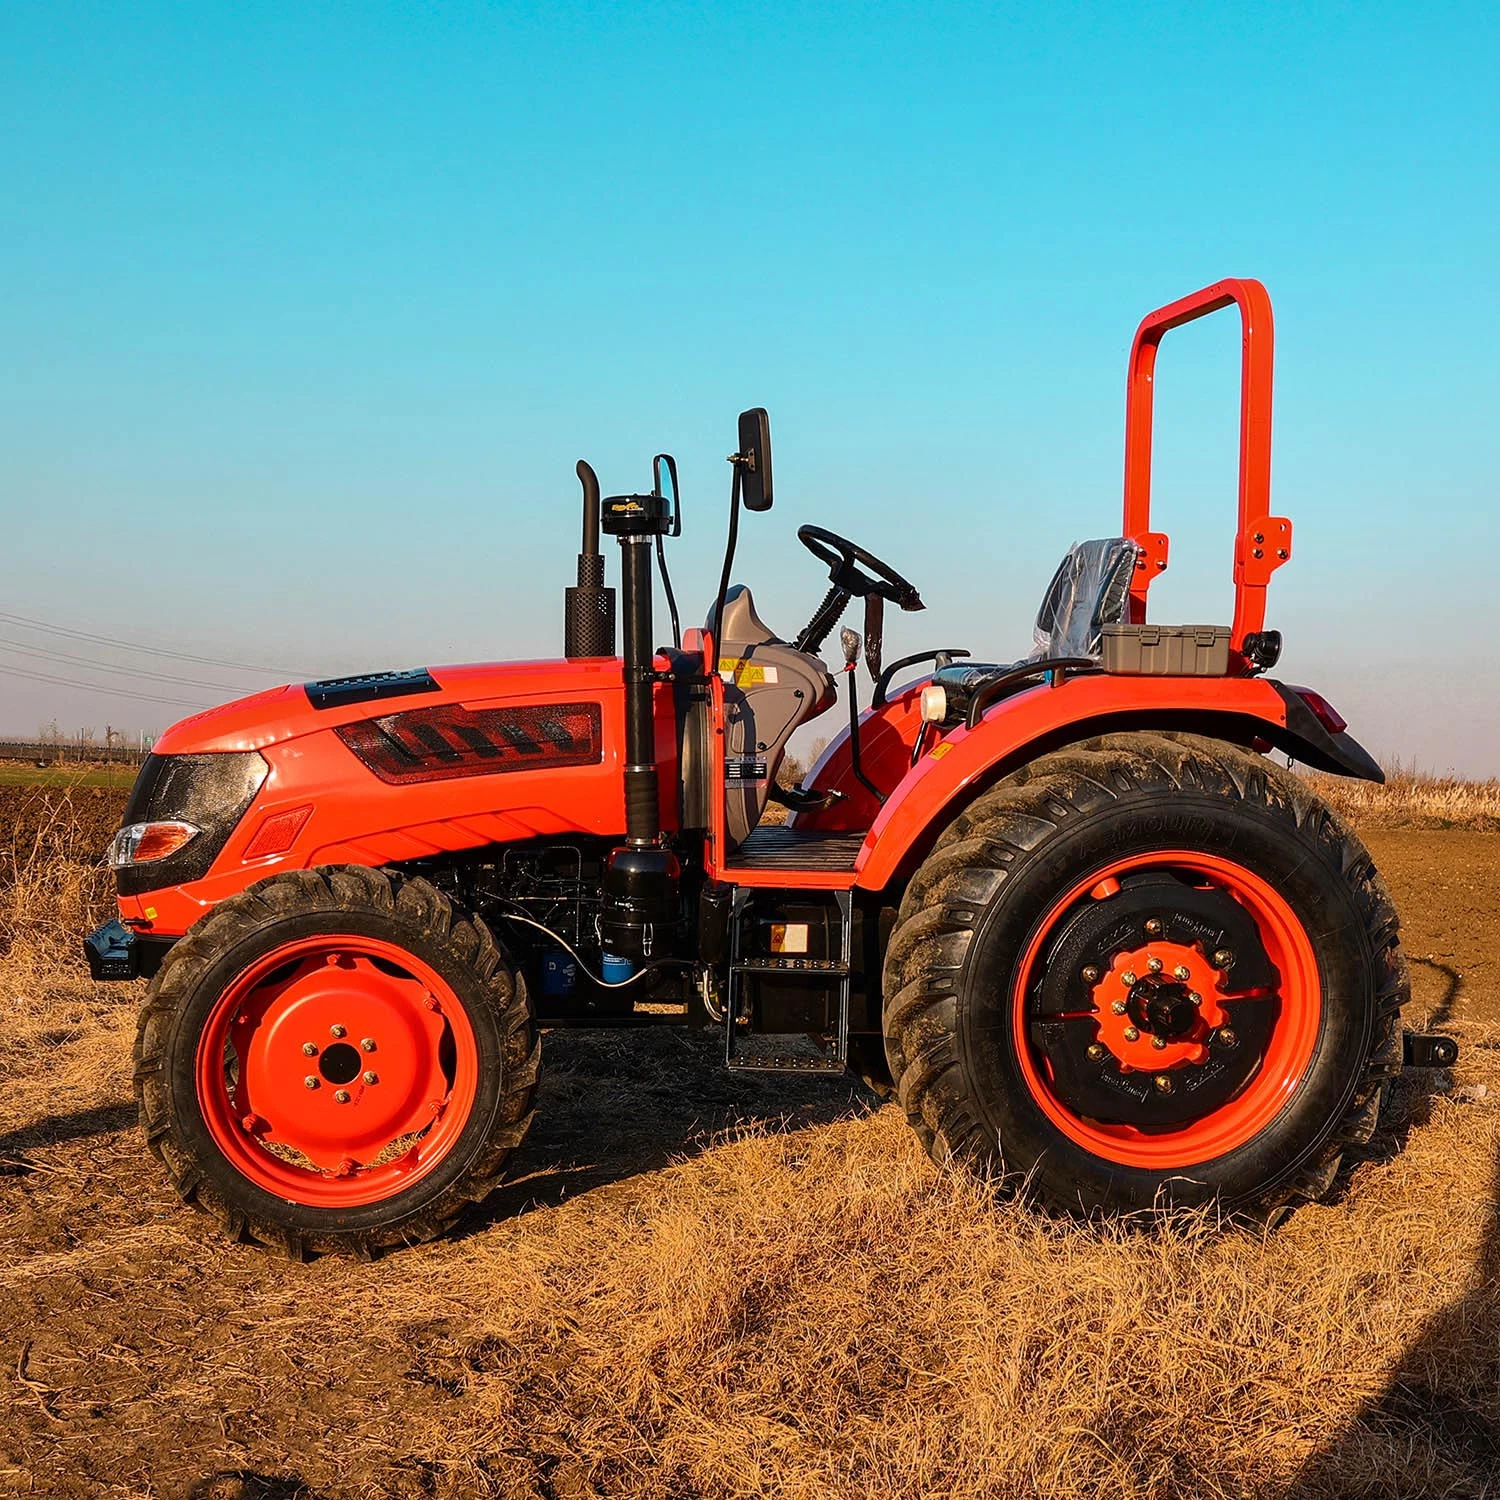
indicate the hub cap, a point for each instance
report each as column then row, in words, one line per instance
column 336, row 1071
column 1167, row 1008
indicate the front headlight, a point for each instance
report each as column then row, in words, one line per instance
column 140, row 843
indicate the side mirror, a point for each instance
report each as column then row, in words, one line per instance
column 664, row 485
column 754, row 459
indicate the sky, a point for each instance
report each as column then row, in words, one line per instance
column 306, row 314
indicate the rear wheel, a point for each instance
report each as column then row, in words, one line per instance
column 1146, row 971
column 335, row 1059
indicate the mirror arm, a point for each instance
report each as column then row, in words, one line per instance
column 825, row 617
column 729, row 546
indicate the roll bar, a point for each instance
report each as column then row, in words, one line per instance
column 1263, row 541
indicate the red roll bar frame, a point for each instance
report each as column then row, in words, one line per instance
column 1264, row 541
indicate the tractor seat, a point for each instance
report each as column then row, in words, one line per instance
column 1089, row 590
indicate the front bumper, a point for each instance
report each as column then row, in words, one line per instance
column 114, row 952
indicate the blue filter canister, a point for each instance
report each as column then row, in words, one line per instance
column 617, row 969
column 559, row 973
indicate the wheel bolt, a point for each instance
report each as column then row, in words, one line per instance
column 1096, row 1052
column 1131, row 1034
column 1159, row 1042
column 368, row 1045
column 1154, row 965
column 1128, row 977
column 309, row 1049
column 309, row 1082
column 1163, row 1084
column 1153, row 927
column 1118, row 1007
column 1227, row 1038
column 1091, row 975
column 342, row 1096
column 1223, row 959
column 337, row 1031
column 1180, row 972
column 371, row 1078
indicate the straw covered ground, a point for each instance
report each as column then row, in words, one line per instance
column 701, row 1284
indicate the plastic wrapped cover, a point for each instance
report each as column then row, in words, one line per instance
column 1089, row 591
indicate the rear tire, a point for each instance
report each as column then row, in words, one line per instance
column 1001, row 1021
column 376, row 1130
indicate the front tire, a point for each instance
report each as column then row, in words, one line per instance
column 335, row 1059
column 1146, row 971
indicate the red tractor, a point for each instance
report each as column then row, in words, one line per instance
column 1063, row 908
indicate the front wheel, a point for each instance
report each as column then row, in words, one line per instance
column 336, row 1059
column 1146, row 971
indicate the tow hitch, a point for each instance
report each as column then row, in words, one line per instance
column 1422, row 1049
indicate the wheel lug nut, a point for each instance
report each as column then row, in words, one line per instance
column 1091, row 975
column 1163, row 1084
column 1159, row 1042
column 337, row 1031
column 371, row 1078
column 1118, row 1007
column 368, row 1045
column 1131, row 1034
column 1195, row 997
column 1227, row 1038
column 1096, row 1052
column 1154, row 965
column 342, row 1096
column 1154, row 927
column 309, row 1049
column 309, row 1082
column 1180, row 972
column 1128, row 977
column 1223, row 959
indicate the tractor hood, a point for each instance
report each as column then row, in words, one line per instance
column 285, row 713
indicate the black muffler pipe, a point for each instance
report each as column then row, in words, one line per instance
column 589, row 609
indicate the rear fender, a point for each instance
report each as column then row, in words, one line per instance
column 1252, row 712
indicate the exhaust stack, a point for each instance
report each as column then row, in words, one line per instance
column 589, row 609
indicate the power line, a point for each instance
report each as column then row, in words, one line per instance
column 94, row 687
column 6, row 644
column 107, row 640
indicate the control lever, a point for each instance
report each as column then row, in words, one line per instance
column 849, row 640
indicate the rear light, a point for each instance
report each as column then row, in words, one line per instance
column 1323, row 711
column 141, row 843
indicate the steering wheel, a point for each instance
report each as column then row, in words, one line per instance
column 853, row 573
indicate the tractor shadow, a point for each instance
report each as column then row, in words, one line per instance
column 1438, row 1419
column 56, row 1130
column 615, row 1104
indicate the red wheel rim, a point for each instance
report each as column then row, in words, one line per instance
column 337, row 1071
column 1284, row 1065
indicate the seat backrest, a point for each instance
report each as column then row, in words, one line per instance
column 1090, row 590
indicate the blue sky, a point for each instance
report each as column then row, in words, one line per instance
column 307, row 312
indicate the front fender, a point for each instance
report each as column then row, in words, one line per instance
column 1253, row 712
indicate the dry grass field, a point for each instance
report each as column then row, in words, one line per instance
column 699, row 1283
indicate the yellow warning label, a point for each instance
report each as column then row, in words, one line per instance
column 939, row 751
column 744, row 673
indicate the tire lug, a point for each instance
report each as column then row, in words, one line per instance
column 371, row 1078
column 1131, row 1034
column 1163, row 1084
column 310, row 1082
column 1091, row 975
column 338, row 1031
column 309, row 1049
column 1180, row 972
column 1096, row 1052
column 368, row 1044
column 1119, row 1007
column 342, row 1095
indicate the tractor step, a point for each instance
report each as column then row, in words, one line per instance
column 789, row 1012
